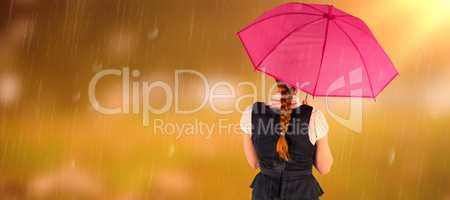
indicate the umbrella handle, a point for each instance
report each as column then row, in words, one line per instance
column 305, row 101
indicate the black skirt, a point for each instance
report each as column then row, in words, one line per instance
column 299, row 185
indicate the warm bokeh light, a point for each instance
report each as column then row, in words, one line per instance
column 9, row 88
column 55, row 145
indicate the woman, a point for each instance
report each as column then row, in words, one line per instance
column 284, row 140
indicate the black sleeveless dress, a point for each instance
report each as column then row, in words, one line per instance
column 279, row 179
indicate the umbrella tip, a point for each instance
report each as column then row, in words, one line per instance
column 329, row 16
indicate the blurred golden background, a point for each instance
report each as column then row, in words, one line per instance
column 54, row 145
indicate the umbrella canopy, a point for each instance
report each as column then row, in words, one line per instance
column 319, row 49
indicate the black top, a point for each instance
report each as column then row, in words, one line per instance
column 281, row 179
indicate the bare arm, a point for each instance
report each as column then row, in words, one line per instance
column 324, row 159
column 249, row 151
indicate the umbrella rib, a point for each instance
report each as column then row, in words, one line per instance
column 285, row 37
column 321, row 59
column 344, row 15
column 278, row 15
column 310, row 6
column 369, row 33
column 360, row 55
column 364, row 31
column 387, row 83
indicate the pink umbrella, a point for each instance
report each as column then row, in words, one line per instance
column 319, row 49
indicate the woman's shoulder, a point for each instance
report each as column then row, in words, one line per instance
column 259, row 105
column 246, row 118
column 316, row 114
column 316, row 111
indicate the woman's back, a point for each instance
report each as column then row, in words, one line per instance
column 265, row 133
column 283, row 179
